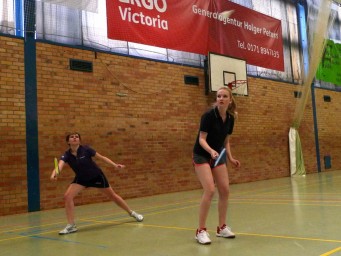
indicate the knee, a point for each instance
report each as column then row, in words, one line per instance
column 209, row 193
column 224, row 192
column 68, row 197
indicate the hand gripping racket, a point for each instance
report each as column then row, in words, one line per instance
column 221, row 155
column 56, row 166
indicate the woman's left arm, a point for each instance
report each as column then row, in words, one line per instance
column 108, row 161
column 233, row 161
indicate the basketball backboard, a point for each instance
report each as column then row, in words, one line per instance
column 227, row 71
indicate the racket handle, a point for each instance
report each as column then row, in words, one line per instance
column 221, row 155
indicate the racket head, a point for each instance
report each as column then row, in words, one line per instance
column 56, row 167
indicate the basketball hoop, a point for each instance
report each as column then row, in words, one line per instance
column 235, row 84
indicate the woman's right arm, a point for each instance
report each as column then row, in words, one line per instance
column 202, row 141
column 60, row 165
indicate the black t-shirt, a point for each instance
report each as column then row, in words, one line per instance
column 216, row 129
column 82, row 164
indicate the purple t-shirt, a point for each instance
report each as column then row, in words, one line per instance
column 82, row 164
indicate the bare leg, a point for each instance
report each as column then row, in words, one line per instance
column 116, row 198
column 72, row 191
column 222, row 180
column 205, row 177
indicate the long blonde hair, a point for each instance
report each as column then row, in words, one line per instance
column 233, row 106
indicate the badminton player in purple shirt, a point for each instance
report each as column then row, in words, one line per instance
column 87, row 174
column 215, row 127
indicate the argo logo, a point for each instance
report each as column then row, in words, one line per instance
column 148, row 4
column 129, row 14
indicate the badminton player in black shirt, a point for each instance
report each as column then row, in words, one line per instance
column 215, row 127
column 87, row 174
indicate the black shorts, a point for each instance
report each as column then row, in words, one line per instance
column 98, row 182
column 199, row 160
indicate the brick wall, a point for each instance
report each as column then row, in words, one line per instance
column 13, row 184
column 260, row 139
column 329, row 127
column 140, row 113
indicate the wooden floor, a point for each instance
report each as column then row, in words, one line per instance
column 287, row 216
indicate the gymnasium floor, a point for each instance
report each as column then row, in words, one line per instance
column 287, row 216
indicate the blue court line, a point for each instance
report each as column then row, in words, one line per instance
column 62, row 240
column 30, row 231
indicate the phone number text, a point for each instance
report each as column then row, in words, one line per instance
column 258, row 49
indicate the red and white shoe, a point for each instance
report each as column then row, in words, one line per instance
column 202, row 236
column 225, row 231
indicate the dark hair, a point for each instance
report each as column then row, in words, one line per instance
column 69, row 134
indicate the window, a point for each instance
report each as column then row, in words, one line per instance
column 83, row 23
column 7, row 25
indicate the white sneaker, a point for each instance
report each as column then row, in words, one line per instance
column 202, row 236
column 225, row 231
column 137, row 216
column 70, row 228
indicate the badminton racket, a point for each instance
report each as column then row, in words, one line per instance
column 221, row 155
column 56, row 167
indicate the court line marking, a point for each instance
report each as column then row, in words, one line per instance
column 86, row 225
column 170, row 227
column 285, row 203
column 286, row 187
column 236, row 200
column 331, row 252
column 101, row 216
column 94, row 222
column 238, row 233
column 91, row 219
column 232, row 201
column 66, row 241
column 298, row 201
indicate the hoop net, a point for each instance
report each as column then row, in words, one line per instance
column 238, row 87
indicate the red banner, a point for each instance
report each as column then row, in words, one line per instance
column 199, row 26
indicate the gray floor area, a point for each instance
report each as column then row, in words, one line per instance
column 287, row 216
